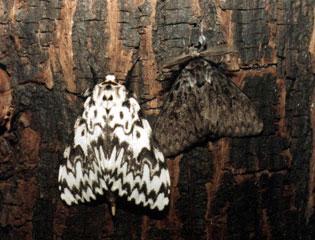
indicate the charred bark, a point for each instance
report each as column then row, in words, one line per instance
column 247, row 188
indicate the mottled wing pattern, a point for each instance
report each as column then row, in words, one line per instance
column 203, row 102
column 113, row 151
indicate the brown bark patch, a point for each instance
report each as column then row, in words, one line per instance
column 61, row 213
column 6, row 109
column 120, row 60
column 173, row 218
column 27, row 193
column 221, row 151
column 4, row 82
column 273, row 29
column 64, row 48
column 226, row 23
column 150, row 69
column 18, row 204
column 265, row 225
column 14, row 8
column 46, row 75
column 145, row 227
column 195, row 6
column 312, row 44
column 30, row 143
column 25, row 119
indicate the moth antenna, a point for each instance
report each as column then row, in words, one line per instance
column 128, row 80
column 144, row 101
column 89, row 90
column 81, row 95
column 94, row 76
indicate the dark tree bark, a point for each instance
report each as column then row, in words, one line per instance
column 248, row 188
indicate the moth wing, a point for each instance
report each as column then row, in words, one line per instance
column 139, row 170
column 82, row 176
column 203, row 102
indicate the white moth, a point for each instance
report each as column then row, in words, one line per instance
column 113, row 152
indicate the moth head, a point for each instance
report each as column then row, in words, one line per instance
column 110, row 78
column 110, row 91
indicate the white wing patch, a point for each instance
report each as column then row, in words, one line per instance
column 113, row 151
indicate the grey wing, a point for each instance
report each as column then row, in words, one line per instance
column 203, row 102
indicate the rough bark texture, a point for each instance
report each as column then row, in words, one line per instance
column 252, row 188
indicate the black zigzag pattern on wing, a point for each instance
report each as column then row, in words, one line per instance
column 113, row 151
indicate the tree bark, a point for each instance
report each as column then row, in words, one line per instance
column 258, row 187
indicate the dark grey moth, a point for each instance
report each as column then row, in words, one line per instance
column 203, row 102
column 113, row 152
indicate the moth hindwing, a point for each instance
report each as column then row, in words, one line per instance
column 113, row 151
column 203, row 102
